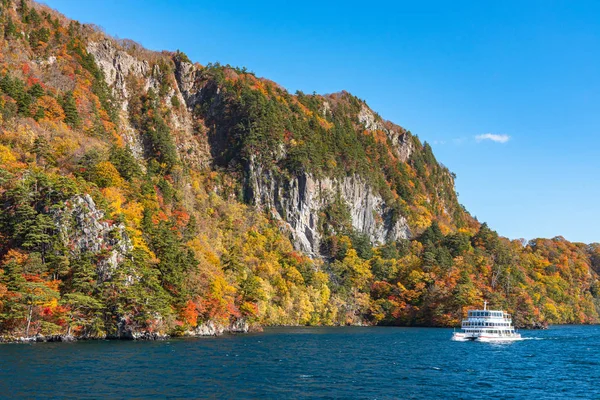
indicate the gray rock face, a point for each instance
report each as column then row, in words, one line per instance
column 211, row 328
column 185, row 76
column 400, row 140
column 127, row 332
column 299, row 201
column 366, row 117
column 118, row 65
column 83, row 228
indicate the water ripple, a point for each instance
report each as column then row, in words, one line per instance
column 310, row 363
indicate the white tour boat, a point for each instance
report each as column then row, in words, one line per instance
column 487, row 326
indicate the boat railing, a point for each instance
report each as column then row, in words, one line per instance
column 487, row 320
column 482, row 323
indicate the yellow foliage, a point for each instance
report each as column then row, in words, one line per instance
column 115, row 198
column 294, row 276
column 22, row 138
column 52, row 303
column 221, row 289
column 108, row 174
column 8, row 160
column 6, row 155
column 133, row 212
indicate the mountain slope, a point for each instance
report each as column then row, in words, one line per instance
column 143, row 194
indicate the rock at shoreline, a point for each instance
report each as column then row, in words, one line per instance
column 210, row 328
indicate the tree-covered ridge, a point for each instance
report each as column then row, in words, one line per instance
column 252, row 119
column 108, row 223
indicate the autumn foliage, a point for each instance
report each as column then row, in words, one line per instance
column 171, row 242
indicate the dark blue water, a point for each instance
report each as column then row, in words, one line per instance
column 369, row 363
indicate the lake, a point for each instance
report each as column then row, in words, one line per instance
column 311, row 363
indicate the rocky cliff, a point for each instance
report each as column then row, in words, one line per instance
column 299, row 197
column 126, row 76
column 300, row 201
column 83, row 228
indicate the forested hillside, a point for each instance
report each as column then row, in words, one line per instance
column 143, row 195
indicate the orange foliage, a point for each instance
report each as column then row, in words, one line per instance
column 190, row 314
column 52, row 110
column 16, row 256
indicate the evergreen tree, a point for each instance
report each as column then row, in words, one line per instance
column 39, row 114
column 10, row 29
column 39, row 235
column 36, row 91
column 69, row 106
column 23, row 10
column 124, row 161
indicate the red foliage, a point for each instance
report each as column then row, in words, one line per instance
column 32, row 81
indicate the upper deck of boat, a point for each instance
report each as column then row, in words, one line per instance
column 488, row 314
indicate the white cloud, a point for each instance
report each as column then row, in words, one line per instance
column 493, row 137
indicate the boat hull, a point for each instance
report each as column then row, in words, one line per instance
column 488, row 339
column 463, row 337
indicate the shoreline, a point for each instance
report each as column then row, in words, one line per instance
column 203, row 333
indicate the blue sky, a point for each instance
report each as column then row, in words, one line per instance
column 448, row 71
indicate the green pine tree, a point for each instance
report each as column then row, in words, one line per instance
column 69, row 106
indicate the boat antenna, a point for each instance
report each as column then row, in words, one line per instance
column 484, row 305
